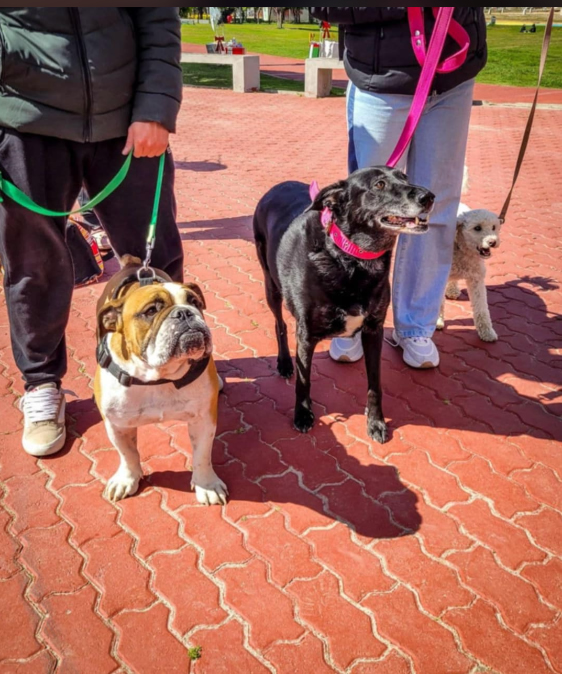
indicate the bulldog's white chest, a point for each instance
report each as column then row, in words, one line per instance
column 141, row 405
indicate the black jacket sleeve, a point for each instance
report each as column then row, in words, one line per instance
column 159, row 76
column 351, row 15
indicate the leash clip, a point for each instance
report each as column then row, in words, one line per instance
column 146, row 275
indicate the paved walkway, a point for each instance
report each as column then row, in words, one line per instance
column 437, row 553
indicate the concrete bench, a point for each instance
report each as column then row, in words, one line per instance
column 318, row 76
column 245, row 68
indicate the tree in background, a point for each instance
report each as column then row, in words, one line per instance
column 280, row 13
column 190, row 11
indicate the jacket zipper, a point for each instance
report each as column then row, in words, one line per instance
column 2, row 54
column 86, row 77
column 378, row 51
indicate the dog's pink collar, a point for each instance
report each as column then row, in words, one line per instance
column 337, row 236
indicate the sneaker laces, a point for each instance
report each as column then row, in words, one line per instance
column 423, row 341
column 419, row 340
column 41, row 405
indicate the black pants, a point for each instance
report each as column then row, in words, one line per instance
column 38, row 273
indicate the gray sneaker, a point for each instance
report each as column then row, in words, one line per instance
column 346, row 349
column 44, row 431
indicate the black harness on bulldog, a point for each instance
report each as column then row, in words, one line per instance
column 103, row 354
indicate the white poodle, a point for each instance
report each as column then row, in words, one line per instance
column 478, row 231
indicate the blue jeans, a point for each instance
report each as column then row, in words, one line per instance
column 435, row 159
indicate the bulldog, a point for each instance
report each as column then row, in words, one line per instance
column 154, row 365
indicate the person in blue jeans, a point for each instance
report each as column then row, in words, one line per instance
column 383, row 72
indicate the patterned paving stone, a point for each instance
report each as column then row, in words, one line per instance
column 438, row 552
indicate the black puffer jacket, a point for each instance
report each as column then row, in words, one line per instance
column 85, row 74
column 378, row 53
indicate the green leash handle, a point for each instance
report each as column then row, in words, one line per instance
column 22, row 199
column 15, row 194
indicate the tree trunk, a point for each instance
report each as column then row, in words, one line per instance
column 280, row 16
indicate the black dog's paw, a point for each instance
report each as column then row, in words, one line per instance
column 377, row 431
column 285, row 368
column 304, row 420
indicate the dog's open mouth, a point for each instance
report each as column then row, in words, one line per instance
column 403, row 224
column 485, row 252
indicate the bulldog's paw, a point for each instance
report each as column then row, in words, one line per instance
column 488, row 334
column 440, row 325
column 377, row 431
column 212, row 491
column 285, row 368
column 124, row 483
column 304, row 420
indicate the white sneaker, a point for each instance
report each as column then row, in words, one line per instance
column 346, row 349
column 419, row 352
column 44, row 431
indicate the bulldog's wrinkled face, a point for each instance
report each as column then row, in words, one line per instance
column 160, row 323
column 480, row 231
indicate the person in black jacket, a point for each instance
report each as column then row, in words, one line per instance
column 79, row 89
column 383, row 72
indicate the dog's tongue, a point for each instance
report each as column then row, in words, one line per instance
column 411, row 224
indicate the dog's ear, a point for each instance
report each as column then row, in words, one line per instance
column 330, row 197
column 129, row 261
column 461, row 220
column 195, row 296
column 110, row 318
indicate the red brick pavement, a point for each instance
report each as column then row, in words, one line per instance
column 439, row 552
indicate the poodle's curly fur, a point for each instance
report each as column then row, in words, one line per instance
column 477, row 233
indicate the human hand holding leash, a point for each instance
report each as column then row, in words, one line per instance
column 146, row 139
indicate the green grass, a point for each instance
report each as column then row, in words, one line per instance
column 204, row 75
column 513, row 56
column 264, row 38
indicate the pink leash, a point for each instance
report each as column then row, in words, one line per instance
column 445, row 26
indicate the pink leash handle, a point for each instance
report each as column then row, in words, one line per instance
column 429, row 68
column 455, row 31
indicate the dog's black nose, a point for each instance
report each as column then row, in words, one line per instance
column 492, row 244
column 426, row 199
column 181, row 314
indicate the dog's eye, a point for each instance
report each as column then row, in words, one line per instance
column 494, row 228
column 380, row 185
column 478, row 228
column 151, row 311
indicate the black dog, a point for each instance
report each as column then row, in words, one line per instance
column 330, row 292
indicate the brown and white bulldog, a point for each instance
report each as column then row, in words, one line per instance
column 155, row 364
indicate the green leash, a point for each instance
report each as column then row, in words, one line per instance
column 151, row 238
column 19, row 197
column 22, row 199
